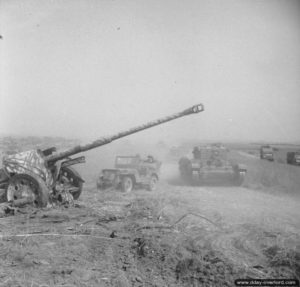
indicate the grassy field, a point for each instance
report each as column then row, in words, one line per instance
column 176, row 236
column 269, row 176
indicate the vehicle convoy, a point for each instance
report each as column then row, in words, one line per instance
column 210, row 162
column 266, row 152
column 131, row 172
column 293, row 157
column 39, row 177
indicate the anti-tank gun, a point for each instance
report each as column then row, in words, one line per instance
column 41, row 176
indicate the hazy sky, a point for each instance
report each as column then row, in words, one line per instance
column 93, row 67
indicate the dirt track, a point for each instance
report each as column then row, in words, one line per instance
column 177, row 236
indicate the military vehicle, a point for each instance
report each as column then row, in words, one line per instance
column 266, row 152
column 131, row 172
column 210, row 163
column 293, row 157
column 39, row 177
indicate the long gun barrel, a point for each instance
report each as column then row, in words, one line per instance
column 105, row 140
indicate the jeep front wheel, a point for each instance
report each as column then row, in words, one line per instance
column 239, row 178
column 152, row 183
column 126, row 184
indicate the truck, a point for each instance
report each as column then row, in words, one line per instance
column 293, row 157
column 267, row 153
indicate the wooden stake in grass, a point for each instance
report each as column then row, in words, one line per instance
column 57, row 234
column 176, row 222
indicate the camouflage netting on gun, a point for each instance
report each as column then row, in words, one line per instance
column 23, row 162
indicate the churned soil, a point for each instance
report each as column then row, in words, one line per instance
column 178, row 235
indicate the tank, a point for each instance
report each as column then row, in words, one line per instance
column 210, row 164
column 39, row 177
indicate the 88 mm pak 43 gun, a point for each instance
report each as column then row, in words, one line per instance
column 38, row 177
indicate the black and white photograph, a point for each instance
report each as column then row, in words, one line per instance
column 149, row 143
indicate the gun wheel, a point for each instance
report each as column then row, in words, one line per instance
column 127, row 184
column 72, row 181
column 29, row 187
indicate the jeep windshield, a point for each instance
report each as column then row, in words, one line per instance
column 126, row 161
column 267, row 150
